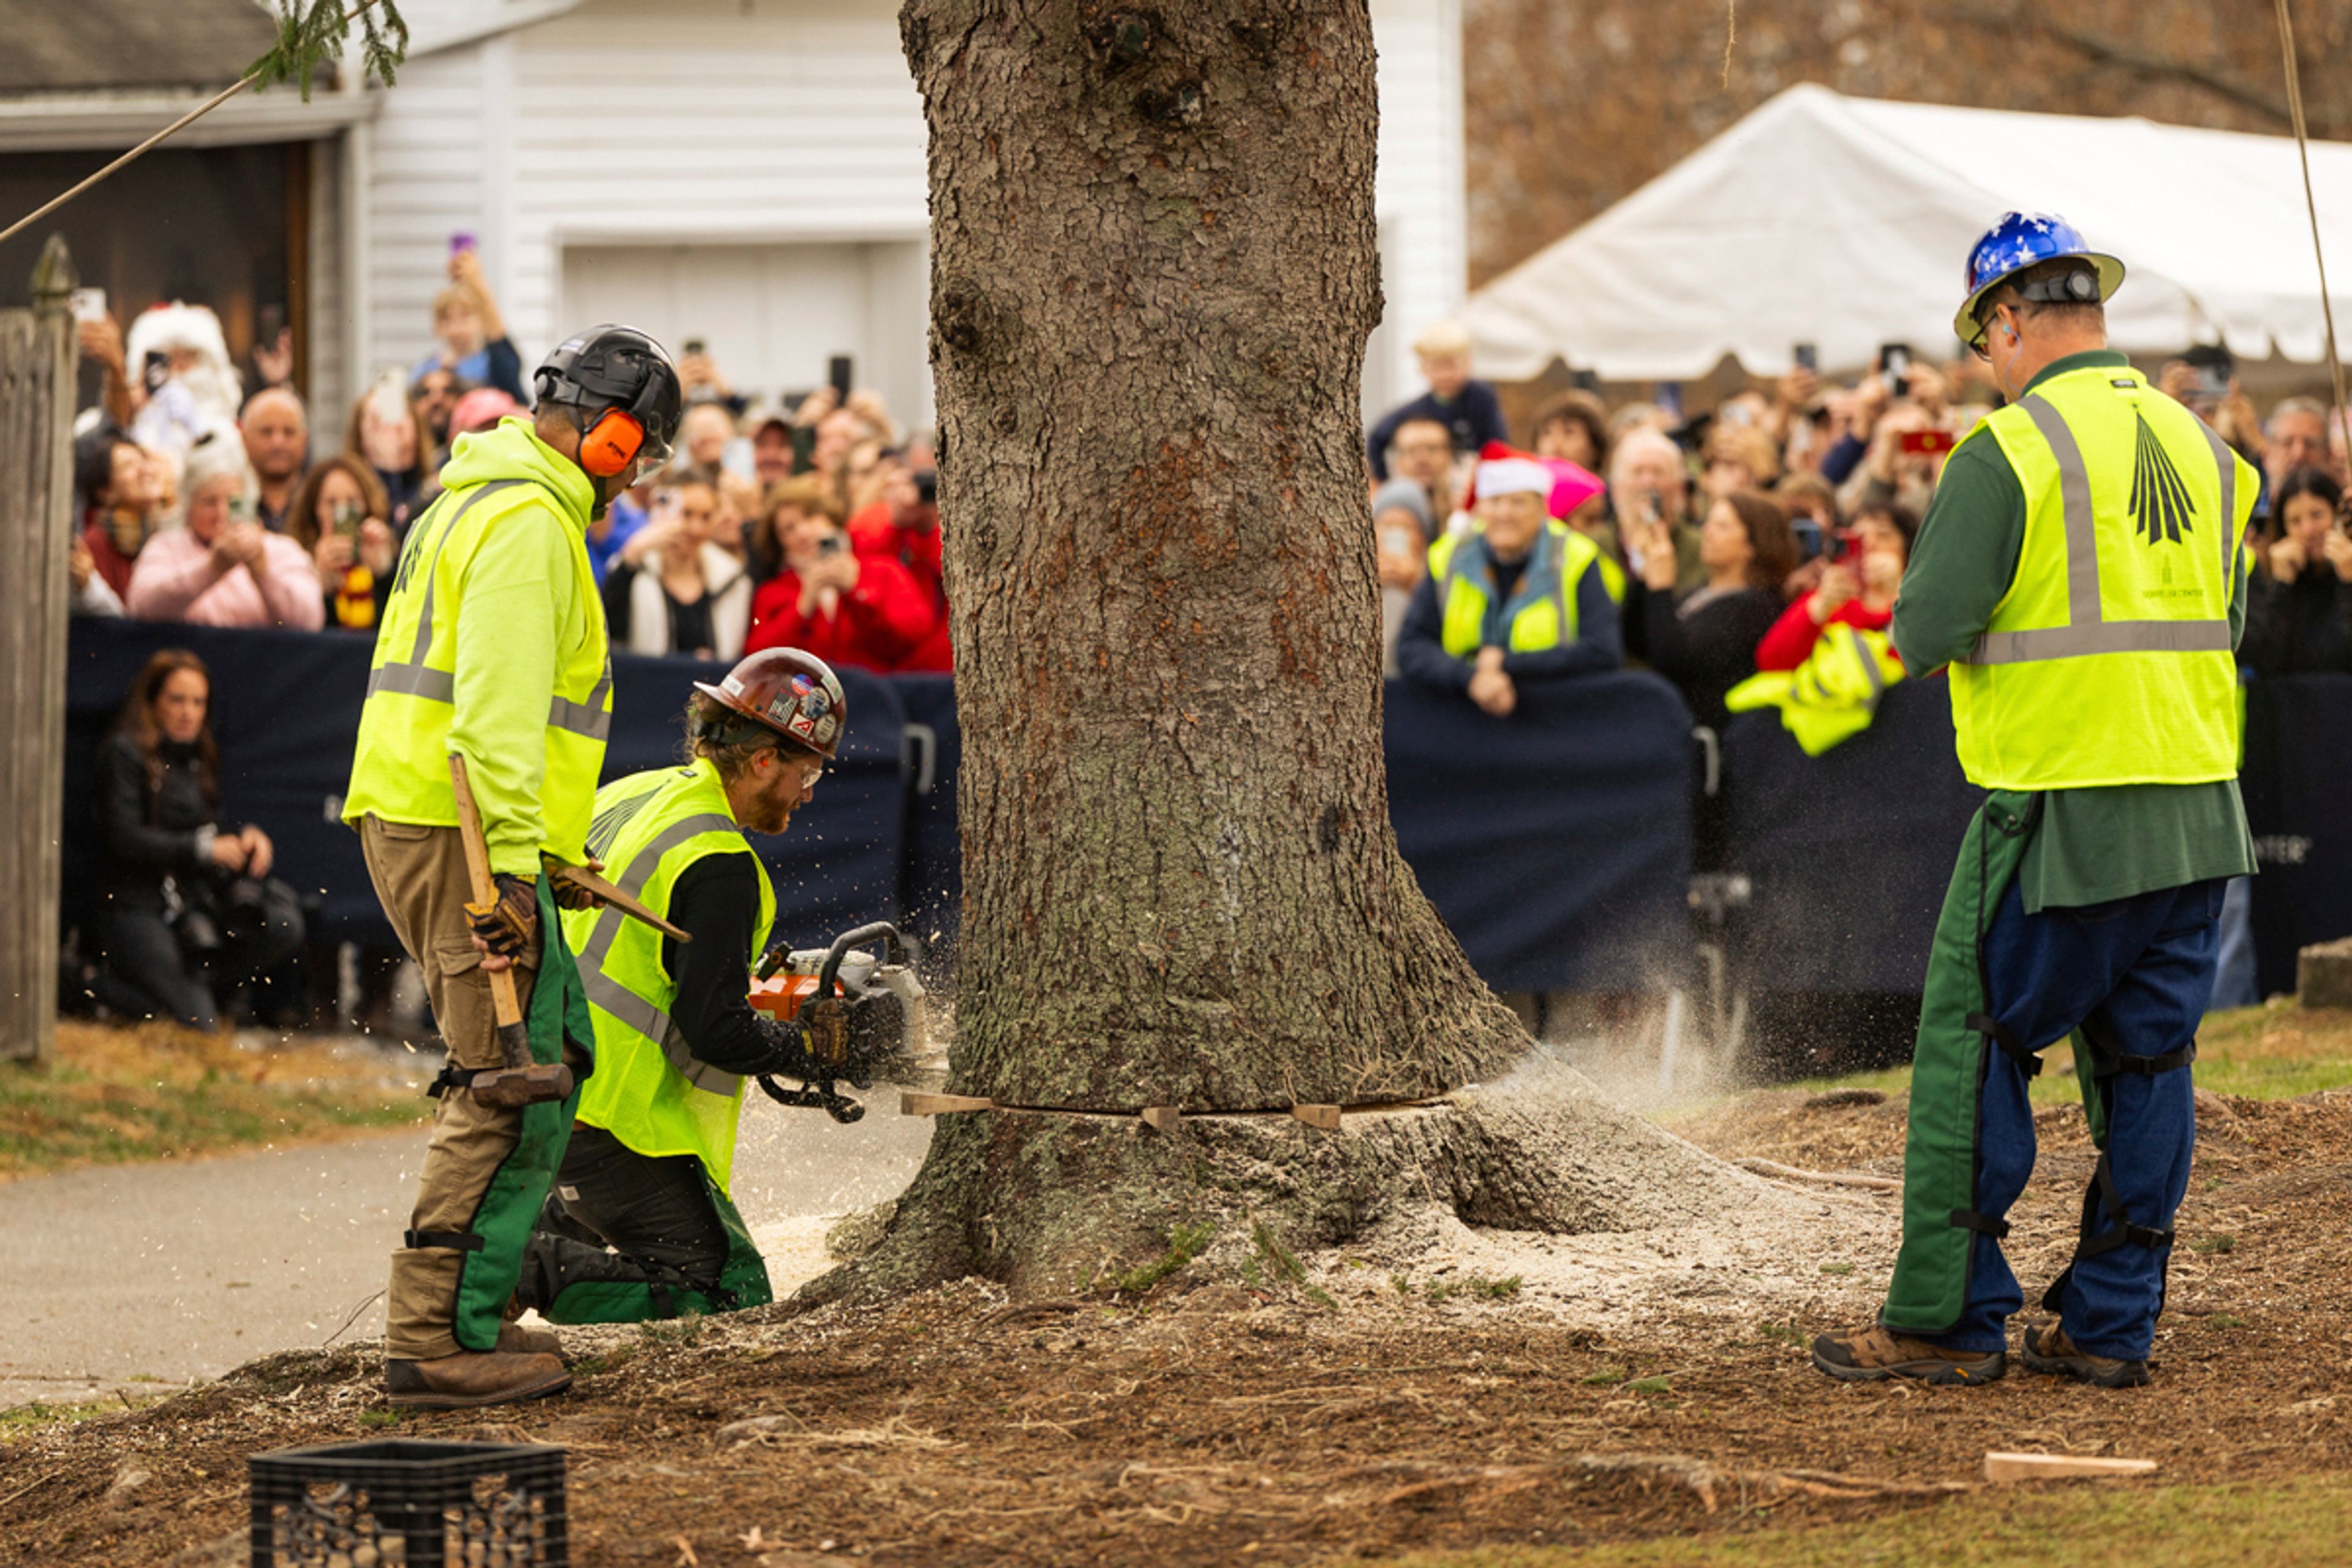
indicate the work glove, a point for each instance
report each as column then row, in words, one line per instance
column 569, row 895
column 827, row 1022
column 507, row 924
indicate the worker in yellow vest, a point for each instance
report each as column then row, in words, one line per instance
column 1519, row 598
column 492, row 649
column 2079, row 574
column 640, row 1225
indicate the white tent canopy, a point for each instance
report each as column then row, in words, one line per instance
column 1846, row 222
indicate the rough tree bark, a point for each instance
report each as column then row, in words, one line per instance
column 1153, row 272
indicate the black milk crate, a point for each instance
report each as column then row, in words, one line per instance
column 410, row 1504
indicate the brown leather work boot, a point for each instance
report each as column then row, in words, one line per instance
column 1876, row 1354
column 2047, row 1347
column 514, row 1338
column 471, row 1378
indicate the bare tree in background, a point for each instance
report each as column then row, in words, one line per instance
column 1573, row 104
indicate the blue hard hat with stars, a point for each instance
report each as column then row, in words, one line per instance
column 2018, row 241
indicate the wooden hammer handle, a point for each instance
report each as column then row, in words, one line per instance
column 504, row 1002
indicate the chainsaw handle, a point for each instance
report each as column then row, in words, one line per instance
column 829, row 975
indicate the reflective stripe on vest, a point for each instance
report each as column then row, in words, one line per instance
column 649, row 1091
column 400, row 757
column 1553, row 570
column 2088, row 630
column 641, row 1015
column 2107, row 661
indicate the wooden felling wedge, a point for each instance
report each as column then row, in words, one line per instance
column 1162, row 1117
column 2059, row 1467
column 1326, row 1117
column 913, row 1104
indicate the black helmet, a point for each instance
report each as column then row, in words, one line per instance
column 617, row 367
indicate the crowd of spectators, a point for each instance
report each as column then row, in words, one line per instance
column 214, row 496
column 1729, row 540
column 814, row 524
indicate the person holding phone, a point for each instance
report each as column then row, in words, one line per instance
column 337, row 516
column 1862, row 571
column 471, row 333
column 2299, row 610
column 2099, row 709
column 829, row 600
column 223, row 569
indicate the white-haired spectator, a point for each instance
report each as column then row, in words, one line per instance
column 179, row 355
column 1649, row 482
column 1468, row 408
column 2296, row 437
column 1519, row 600
column 223, row 569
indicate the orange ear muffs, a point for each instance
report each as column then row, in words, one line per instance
column 611, row 444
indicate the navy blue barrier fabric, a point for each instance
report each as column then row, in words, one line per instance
column 931, row 889
column 1849, row 852
column 2298, row 781
column 286, row 711
column 1555, row 842
column 838, row 865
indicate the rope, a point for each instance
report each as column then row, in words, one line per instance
column 2310, row 202
column 37, row 214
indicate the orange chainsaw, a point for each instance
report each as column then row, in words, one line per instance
column 886, row 1020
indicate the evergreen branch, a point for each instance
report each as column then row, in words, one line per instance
column 304, row 43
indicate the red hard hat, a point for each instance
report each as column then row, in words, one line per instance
column 794, row 693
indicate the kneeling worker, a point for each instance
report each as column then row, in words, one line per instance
column 647, row 1169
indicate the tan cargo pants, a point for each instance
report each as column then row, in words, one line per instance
column 420, row 876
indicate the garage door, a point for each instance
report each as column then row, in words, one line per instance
column 772, row 315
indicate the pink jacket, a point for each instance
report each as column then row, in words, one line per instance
column 173, row 580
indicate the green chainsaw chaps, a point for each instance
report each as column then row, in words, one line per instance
column 1930, row 1288
column 742, row 1282
column 557, row 1016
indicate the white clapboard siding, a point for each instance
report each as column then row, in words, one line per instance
column 426, row 167
column 733, row 123
column 1419, row 190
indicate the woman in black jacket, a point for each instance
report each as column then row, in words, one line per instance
column 1704, row 640
column 2299, row 602
column 190, row 909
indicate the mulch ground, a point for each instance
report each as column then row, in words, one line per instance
column 1218, row 1423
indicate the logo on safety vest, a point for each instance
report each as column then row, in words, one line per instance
column 2160, row 508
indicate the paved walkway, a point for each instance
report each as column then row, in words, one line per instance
column 135, row 1277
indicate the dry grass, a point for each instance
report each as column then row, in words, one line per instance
column 111, row 1096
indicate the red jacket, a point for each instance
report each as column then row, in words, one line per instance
column 875, row 626
column 872, row 533
column 1790, row 641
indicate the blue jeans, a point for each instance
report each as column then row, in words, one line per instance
column 2141, row 971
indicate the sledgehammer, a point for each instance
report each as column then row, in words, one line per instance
column 521, row 1081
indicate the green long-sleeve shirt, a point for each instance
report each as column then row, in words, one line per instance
column 2095, row 843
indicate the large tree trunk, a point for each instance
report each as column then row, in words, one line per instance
column 1153, row 273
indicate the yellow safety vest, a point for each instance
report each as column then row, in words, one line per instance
column 400, row 764
column 1833, row 695
column 2110, row 661
column 1540, row 613
column 649, row 1090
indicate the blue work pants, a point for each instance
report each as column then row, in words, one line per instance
column 2140, row 972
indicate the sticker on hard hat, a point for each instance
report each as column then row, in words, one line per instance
column 801, row 724
column 824, row 729
column 732, row 686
